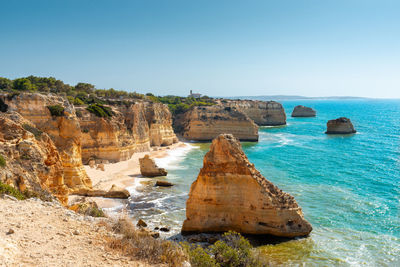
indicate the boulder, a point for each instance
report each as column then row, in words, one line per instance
column 92, row 163
column 340, row 126
column 148, row 167
column 302, row 111
column 114, row 192
column 141, row 223
column 163, row 183
column 230, row 194
column 100, row 167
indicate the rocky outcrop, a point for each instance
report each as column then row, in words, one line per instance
column 263, row 113
column 159, row 119
column 230, row 194
column 302, row 111
column 32, row 161
column 117, row 138
column 114, row 192
column 340, row 126
column 148, row 167
column 204, row 123
column 63, row 130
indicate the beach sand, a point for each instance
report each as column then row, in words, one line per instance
column 122, row 174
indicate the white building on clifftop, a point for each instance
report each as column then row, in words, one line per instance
column 195, row 95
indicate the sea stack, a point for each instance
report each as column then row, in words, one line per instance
column 148, row 167
column 302, row 111
column 340, row 126
column 230, row 194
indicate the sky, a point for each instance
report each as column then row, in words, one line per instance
column 214, row 47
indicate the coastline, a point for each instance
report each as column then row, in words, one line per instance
column 124, row 174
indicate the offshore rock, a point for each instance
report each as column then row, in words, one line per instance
column 340, row 126
column 148, row 167
column 230, row 194
column 302, row 111
column 32, row 161
column 263, row 113
column 204, row 123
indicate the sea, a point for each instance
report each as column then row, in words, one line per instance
column 347, row 185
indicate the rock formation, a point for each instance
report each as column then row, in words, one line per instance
column 159, row 119
column 340, row 126
column 148, row 168
column 302, row 111
column 63, row 130
column 230, row 194
column 204, row 123
column 263, row 113
column 114, row 192
column 32, row 161
column 117, row 138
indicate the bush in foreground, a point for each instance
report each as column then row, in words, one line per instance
column 141, row 245
column 2, row 161
column 233, row 250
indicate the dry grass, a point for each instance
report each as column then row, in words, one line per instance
column 141, row 245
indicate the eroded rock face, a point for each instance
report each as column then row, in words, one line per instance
column 32, row 160
column 159, row 119
column 117, row 138
column 263, row 113
column 63, row 130
column 230, row 194
column 204, row 123
column 302, row 111
column 148, row 167
column 340, row 126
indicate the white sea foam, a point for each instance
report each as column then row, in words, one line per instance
column 175, row 156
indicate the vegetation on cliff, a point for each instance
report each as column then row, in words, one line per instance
column 88, row 94
column 56, row 110
column 100, row 110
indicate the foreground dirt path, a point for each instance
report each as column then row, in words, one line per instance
column 47, row 234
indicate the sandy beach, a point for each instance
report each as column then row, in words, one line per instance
column 123, row 174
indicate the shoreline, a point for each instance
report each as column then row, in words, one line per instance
column 124, row 173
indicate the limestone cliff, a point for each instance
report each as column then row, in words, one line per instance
column 230, row 194
column 204, row 123
column 159, row 119
column 263, row 113
column 32, row 161
column 116, row 138
column 64, row 131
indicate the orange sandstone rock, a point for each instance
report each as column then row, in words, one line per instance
column 230, row 194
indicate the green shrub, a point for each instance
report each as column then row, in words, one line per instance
column 77, row 101
column 2, row 161
column 56, row 110
column 9, row 190
column 100, row 110
column 36, row 132
column 232, row 250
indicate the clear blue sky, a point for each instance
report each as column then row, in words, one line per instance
column 224, row 48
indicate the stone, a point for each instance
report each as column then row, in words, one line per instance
column 114, row 192
column 148, row 168
column 341, row 125
column 163, row 183
column 302, row 111
column 230, row 194
column 164, row 229
column 141, row 223
column 100, row 167
column 92, row 163
column 10, row 232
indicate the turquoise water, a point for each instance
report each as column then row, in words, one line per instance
column 348, row 186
